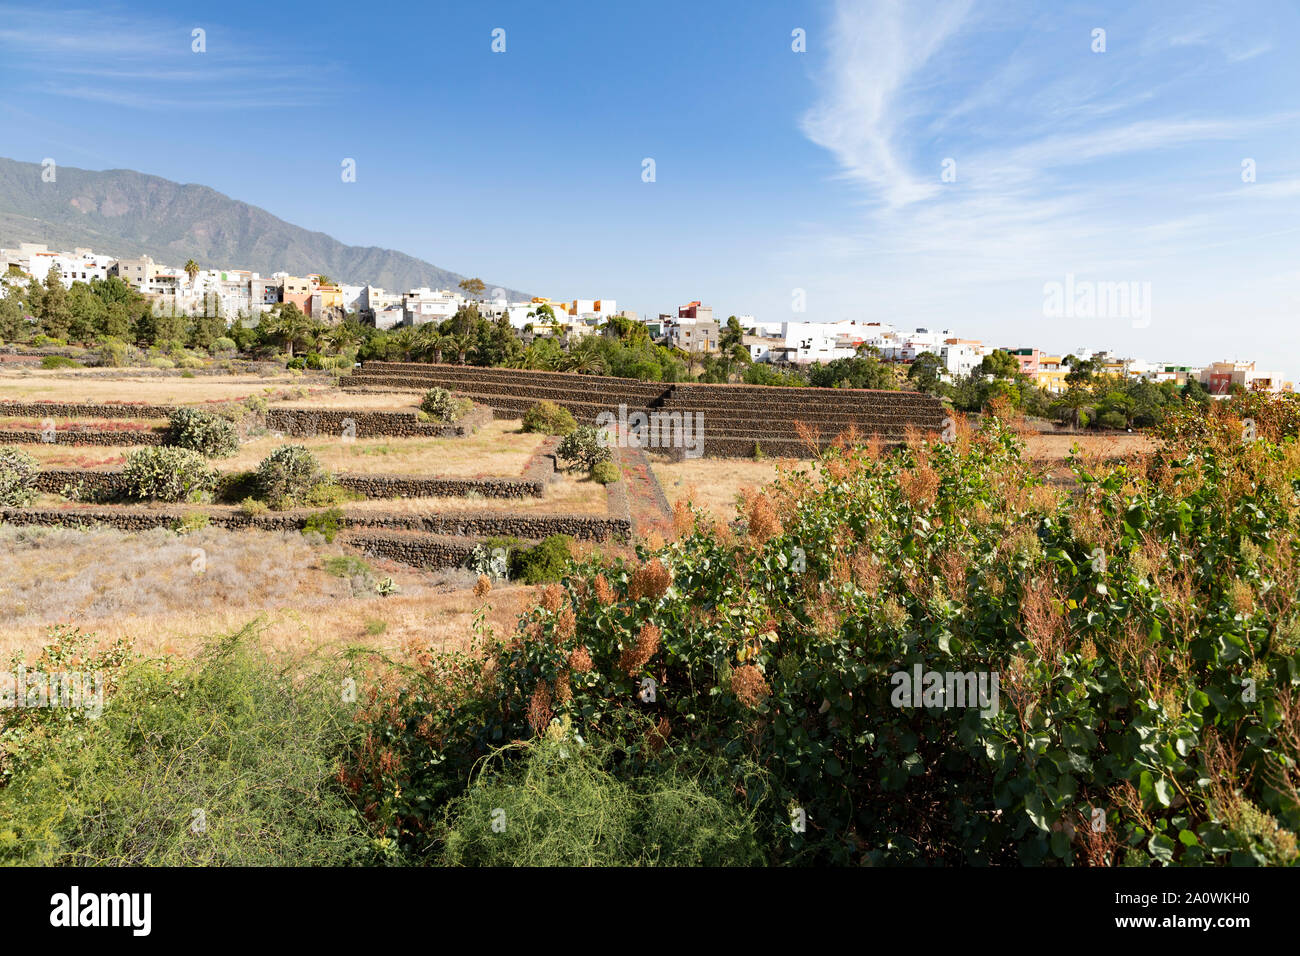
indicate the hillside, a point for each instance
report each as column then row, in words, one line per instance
column 125, row 213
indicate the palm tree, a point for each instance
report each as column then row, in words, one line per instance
column 441, row 344
column 292, row 325
column 460, row 344
column 403, row 340
column 192, row 269
column 345, row 335
column 585, row 358
column 1075, row 399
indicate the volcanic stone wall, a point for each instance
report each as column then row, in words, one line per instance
column 727, row 420
column 468, row 524
column 81, row 436
column 84, row 410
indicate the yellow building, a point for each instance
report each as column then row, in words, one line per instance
column 1051, row 374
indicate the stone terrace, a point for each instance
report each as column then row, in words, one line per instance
column 734, row 418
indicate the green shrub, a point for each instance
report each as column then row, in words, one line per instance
column 59, row 361
column 443, row 407
column 347, row 566
column 194, row 521
column 150, row 783
column 605, row 472
column 113, row 353
column 314, row 361
column 161, row 362
column 585, row 447
column 518, row 560
column 210, row 435
column 296, row 363
column 1112, row 419
column 165, row 473
column 556, row 802
column 326, row 494
column 326, row 523
column 549, row 418
column 287, row 475
column 224, row 344
column 17, row 477
column 252, row 507
column 545, row 561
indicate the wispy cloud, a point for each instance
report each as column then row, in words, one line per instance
column 1065, row 160
column 103, row 56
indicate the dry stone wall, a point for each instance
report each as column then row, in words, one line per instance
column 733, row 420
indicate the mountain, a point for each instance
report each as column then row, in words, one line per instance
column 123, row 213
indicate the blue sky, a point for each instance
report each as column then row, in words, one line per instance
column 775, row 170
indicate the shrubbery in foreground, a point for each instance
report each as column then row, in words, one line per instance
column 1143, row 627
column 222, row 761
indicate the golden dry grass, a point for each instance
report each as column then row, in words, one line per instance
column 1113, row 445
column 324, row 397
column 142, row 587
column 497, row 449
column 712, row 484
column 94, row 386
column 570, row 495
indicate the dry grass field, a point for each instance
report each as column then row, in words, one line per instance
column 498, row 449
column 325, row 397
column 1048, row 446
column 94, row 386
column 143, row 587
column 712, row 484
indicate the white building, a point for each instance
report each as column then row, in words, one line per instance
column 421, row 306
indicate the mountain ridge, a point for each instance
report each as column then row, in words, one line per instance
column 127, row 213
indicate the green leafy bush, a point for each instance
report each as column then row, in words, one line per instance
column 586, row 447
column 166, row 473
column 549, row 418
column 605, row 472
column 210, row 435
column 287, row 475
column 545, row 561
column 17, row 477
column 112, row 352
column 252, row 507
column 58, row 361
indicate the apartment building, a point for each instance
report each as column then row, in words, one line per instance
column 1220, row 377
column 138, row 273
column 421, row 306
